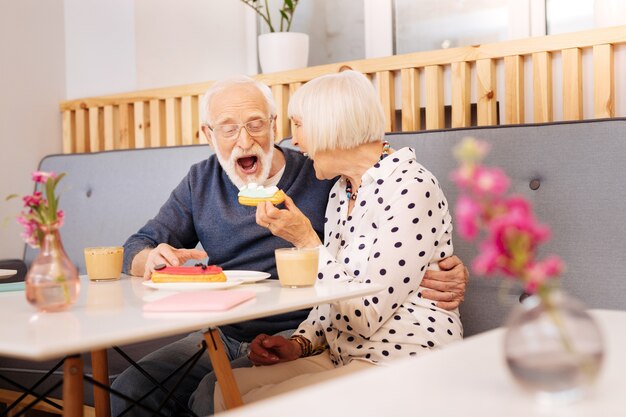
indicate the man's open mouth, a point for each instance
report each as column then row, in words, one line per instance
column 248, row 164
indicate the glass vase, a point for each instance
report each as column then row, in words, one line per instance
column 553, row 347
column 52, row 282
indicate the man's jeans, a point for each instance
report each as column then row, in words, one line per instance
column 163, row 362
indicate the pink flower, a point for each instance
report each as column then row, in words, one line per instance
column 480, row 180
column 488, row 260
column 31, row 239
column 23, row 220
column 491, row 181
column 518, row 204
column 468, row 214
column 516, row 216
column 60, row 218
column 463, row 176
column 538, row 273
column 42, row 177
column 33, row 200
column 29, row 235
column 553, row 266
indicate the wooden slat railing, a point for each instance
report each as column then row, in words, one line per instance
column 170, row 116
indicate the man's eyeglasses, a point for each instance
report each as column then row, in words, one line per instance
column 257, row 127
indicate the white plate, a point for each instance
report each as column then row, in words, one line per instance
column 193, row 286
column 6, row 273
column 247, row 276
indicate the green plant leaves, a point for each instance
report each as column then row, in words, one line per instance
column 286, row 13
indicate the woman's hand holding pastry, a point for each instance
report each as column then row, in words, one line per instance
column 268, row 350
column 289, row 224
column 167, row 255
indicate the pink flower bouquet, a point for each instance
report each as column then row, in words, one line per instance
column 512, row 235
column 40, row 209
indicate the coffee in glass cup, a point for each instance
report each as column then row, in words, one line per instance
column 104, row 262
column 297, row 267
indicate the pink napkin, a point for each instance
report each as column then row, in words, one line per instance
column 199, row 301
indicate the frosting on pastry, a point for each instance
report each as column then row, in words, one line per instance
column 253, row 190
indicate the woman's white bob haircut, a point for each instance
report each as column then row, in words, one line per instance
column 230, row 82
column 338, row 111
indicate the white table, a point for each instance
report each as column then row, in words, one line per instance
column 468, row 378
column 110, row 313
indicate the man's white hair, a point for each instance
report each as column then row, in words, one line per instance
column 338, row 111
column 232, row 81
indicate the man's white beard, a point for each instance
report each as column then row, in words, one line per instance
column 230, row 165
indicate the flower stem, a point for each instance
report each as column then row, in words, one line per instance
column 544, row 295
column 586, row 363
column 52, row 245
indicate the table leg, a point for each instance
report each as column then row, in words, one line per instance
column 73, row 387
column 101, row 397
column 222, row 369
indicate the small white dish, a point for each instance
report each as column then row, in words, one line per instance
column 247, row 276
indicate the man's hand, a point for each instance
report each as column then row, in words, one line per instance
column 268, row 350
column 446, row 287
column 163, row 254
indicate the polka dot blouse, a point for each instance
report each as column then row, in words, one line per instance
column 399, row 227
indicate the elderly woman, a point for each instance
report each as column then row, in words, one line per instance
column 387, row 222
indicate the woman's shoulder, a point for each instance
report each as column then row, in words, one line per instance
column 408, row 164
column 411, row 173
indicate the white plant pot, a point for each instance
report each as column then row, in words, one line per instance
column 283, row 51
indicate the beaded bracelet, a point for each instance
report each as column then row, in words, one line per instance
column 305, row 345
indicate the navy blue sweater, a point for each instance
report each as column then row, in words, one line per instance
column 203, row 208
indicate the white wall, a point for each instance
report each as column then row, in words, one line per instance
column 188, row 41
column 99, row 47
column 121, row 45
column 609, row 12
column 32, row 83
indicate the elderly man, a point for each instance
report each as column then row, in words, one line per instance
column 240, row 124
